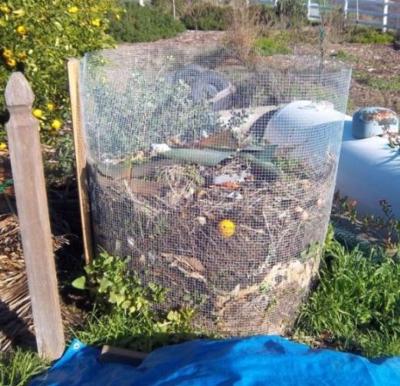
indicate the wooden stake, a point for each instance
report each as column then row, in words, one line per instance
column 33, row 215
column 80, row 155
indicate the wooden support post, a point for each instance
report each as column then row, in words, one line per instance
column 33, row 215
column 80, row 156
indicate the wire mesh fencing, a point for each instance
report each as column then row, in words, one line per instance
column 216, row 178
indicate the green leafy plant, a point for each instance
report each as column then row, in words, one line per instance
column 149, row 110
column 143, row 24
column 365, row 35
column 206, row 16
column 19, row 366
column 37, row 36
column 126, row 311
column 356, row 305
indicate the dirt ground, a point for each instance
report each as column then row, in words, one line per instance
column 376, row 68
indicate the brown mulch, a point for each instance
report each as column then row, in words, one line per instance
column 16, row 324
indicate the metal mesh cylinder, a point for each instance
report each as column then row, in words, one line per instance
column 215, row 177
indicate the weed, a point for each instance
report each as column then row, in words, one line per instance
column 356, row 303
column 127, row 312
column 366, row 35
column 267, row 46
column 381, row 84
column 344, row 56
column 18, row 367
column 244, row 32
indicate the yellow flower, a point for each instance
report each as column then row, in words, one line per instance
column 3, row 146
column 11, row 62
column 96, row 22
column 22, row 55
column 4, row 8
column 56, row 124
column 38, row 113
column 21, row 30
column 73, row 9
column 50, row 106
column 7, row 54
column 226, row 228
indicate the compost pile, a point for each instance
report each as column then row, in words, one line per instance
column 215, row 179
column 229, row 228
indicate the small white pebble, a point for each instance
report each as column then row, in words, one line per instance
column 202, row 220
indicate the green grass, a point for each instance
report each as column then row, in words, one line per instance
column 267, row 46
column 382, row 84
column 18, row 367
column 366, row 35
column 356, row 303
column 344, row 56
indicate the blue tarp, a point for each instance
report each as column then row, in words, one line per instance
column 261, row 360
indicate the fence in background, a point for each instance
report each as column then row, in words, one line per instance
column 384, row 14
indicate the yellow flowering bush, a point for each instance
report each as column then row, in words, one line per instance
column 37, row 37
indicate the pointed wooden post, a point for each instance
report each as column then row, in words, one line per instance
column 33, row 215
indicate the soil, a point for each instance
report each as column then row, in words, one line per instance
column 377, row 61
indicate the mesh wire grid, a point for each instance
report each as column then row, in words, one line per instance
column 215, row 178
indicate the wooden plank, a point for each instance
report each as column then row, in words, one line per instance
column 80, row 156
column 33, row 215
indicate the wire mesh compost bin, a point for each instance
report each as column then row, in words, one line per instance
column 215, row 178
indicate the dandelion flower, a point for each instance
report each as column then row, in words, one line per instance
column 3, row 146
column 50, row 106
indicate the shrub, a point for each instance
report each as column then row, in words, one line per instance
column 143, row 24
column 292, row 12
column 366, row 35
column 243, row 32
column 167, row 6
column 206, row 16
column 37, row 36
